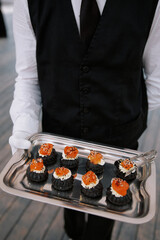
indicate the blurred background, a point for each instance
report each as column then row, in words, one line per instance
column 25, row 219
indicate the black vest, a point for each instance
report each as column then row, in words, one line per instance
column 97, row 94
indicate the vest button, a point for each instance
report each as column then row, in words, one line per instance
column 85, row 109
column 85, row 69
column 85, row 90
column 85, row 130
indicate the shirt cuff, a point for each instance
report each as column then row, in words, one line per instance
column 26, row 123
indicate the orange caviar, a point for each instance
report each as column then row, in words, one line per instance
column 127, row 164
column 46, row 149
column 89, row 177
column 70, row 152
column 36, row 165
column 120, row 186
column 61, row 171
column 95, row 157
column 75, row 175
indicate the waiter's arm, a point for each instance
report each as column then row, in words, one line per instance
column 26, row 106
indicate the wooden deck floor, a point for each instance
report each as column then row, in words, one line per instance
column 25, row 219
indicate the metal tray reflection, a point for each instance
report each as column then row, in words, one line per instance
column 13, row 180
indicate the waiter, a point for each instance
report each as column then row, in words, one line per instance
column 82, row 63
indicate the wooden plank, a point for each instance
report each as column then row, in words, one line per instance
column 5, row 132
column 10, row 218
column 126, row 229
column 5, row 111
column 43, row 222
column 5, row 138
column 47, row 221
column 65, row 237
column 5, row 82
column 6, row 99
column 7, row 127
column 116, row 230
column 146, row 231
column 7, row 91
column 7, row 63
column 5, row 202
column 56, row 230
column 5, row 155
column 4, row 117
column 157, row 228
column 26, row 221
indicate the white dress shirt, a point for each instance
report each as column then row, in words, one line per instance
column 26, row 106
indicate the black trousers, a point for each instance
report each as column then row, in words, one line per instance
column 95, row 228
column 3, row 32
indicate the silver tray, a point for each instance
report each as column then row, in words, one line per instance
column 14, row 181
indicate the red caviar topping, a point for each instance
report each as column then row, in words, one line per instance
column 89, row 177
column 120, row 186
column 36, row 165
column 70, row 152
column 75, row 175
column 95, row 157
column 50, row 171
column 61, row 171
column 46, row 149
column 127, row 164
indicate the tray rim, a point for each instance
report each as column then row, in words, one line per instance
column 18, row 156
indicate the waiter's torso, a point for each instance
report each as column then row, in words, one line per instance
column 96, row 94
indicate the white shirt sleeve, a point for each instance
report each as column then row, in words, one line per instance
column 151, row 61
column 26, row 106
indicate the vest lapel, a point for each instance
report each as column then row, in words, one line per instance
column 67, row 7
column 100, row 24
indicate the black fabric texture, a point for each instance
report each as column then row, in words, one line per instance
column 3, row 31
column 89, row 18
column 101, row 91
column 74, row 223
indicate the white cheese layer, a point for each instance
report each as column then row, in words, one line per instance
column 64, row 177
column 91, row 185
column 68, row 158
column 115, row 193
column 124, row 170
column 40, row 171
column 102, row 162
column 43, row 155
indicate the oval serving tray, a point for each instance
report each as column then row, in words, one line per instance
column 13, row 180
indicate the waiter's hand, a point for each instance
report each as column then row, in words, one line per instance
column 18, row 141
